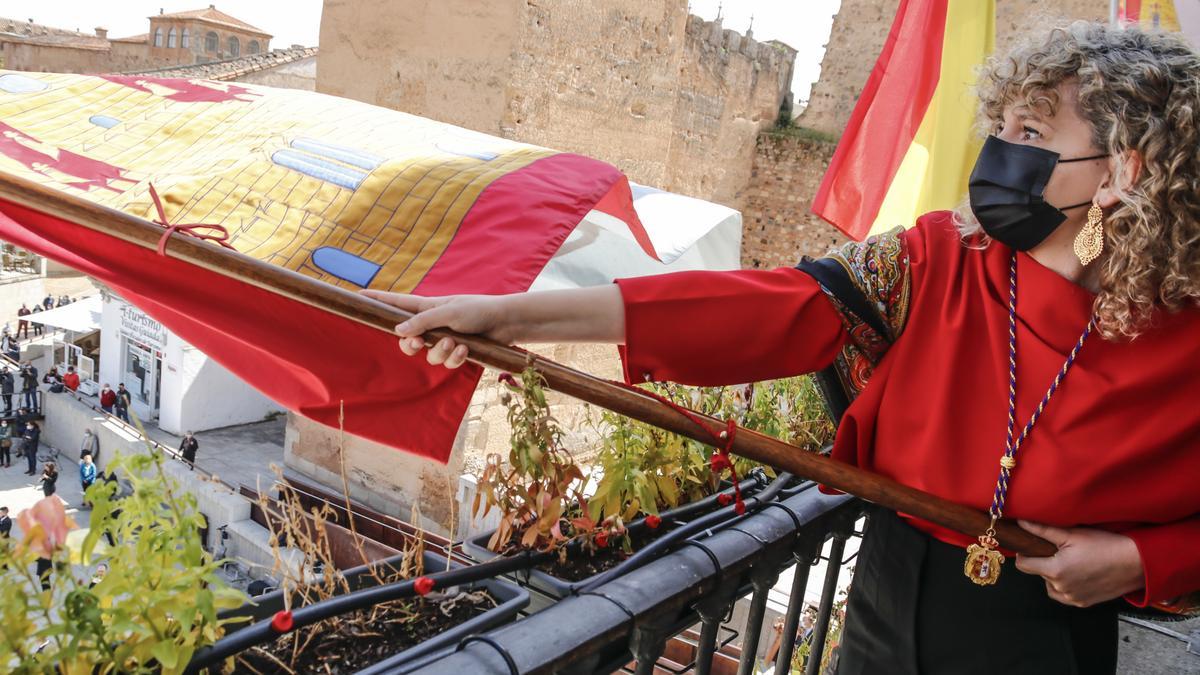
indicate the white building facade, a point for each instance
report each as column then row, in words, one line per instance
column 168, row 379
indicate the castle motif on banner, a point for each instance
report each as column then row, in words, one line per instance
column 366, row 199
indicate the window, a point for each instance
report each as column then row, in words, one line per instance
column 157, row 37
column 210, row 42
column 186, row 41
column 171, row 39
column 235, row 47
column 253, row 46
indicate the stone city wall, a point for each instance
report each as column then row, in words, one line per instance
column 673, row 101
column 779, row 226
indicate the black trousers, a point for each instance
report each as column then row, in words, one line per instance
column 44, row 569
column 911, row 610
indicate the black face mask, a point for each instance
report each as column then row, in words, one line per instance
column 1006, row 189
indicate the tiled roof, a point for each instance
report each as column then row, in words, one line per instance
column 212, row 15
column 231, row 69
column 35, row 33
column 144, row 37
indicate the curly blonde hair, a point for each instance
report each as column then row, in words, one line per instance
column 1140, row 91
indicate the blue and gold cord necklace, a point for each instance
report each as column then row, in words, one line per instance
column 983, row 559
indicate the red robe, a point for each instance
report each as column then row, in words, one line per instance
column 1117, row 448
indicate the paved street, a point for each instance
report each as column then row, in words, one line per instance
column 19, row 492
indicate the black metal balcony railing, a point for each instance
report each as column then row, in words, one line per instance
column 632, row 618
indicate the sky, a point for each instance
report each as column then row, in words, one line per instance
column 803, row 24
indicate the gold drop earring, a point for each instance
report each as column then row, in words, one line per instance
column 1089, row 243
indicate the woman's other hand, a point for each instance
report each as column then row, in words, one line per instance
column 1090, row 567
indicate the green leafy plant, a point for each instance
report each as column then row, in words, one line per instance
column 645, row 469
column 156, row 605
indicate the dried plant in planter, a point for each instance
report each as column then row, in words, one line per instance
column 352, row 641
column 538, row 490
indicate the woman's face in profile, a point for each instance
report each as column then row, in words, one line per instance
column 1066, row 133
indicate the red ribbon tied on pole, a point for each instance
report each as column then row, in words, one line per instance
column 221, row 235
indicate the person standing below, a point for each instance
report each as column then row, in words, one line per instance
column 90, row 445
column 29, row 382
column 108, row 398
column 44, row 569
column 33, row 434
column 22, row 322
column 124, row 399
column 87, row 476
column 53, row 380
column 5, row 523
column 99, row 574
column 6, row 441
column 6, row 389
column 37, row 327
column 49, row 479
column 188, row 448
column 71, row 379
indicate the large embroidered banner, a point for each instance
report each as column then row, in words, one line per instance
column 354, row 195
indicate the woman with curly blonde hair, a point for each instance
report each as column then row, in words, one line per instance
column 1033, row 355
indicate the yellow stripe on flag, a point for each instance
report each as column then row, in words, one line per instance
column 934, row 172
column 1158, row 15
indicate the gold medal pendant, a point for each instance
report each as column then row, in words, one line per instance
column 983, row 561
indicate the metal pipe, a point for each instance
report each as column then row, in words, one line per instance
column 707, row 646
column 754, row 621
column 791, row 621
column 836, row 547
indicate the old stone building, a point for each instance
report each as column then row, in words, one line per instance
column 674, row 101
column 25, row 45
column 179, row 38
column 201, row 35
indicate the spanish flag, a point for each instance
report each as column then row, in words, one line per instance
column 1150, row 14
column 349, row 194
column 910, row 144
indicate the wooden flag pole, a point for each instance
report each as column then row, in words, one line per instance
column 483, row 351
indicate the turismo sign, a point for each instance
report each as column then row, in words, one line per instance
column 139, row 327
